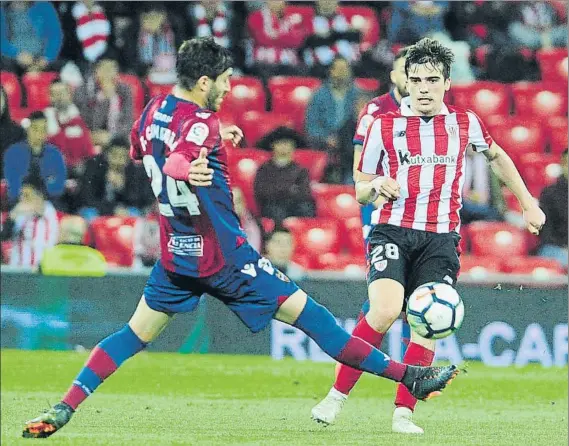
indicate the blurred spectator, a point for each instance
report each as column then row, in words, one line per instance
column 331, row 35
column 267, row 141
column 87, row 32
column 413, row 19
column 275, row 40
column 153, row 43
column 282, row 187
column 537, row 25
column 553, row 201
column 72, row 230
column 146, row 239
column 113, row 184
column 36, row 157
column 105, row 103
column 10, row 131
column 479, row 192
column 329, row 109
column 279, row 247
column 66, row 129
column 30, row 36
column 249, row 223
column 212, row 18
column 461, row 70
column 32, row 225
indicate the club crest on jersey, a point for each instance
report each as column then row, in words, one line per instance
column 186, row 245
column 381, row 265
column 452, row 130
column 198, row 133
column 405, row 157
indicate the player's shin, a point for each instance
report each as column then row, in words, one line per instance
column 105, row 358
column 319, row 324
column 419, row 352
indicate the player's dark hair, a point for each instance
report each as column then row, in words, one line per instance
column 429, row 51
column 401, row 53
column 201, row 57
column 38, row 114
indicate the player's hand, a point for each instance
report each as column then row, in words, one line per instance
column 200, row 174
column 534, row 218
column 387, row 187
column 232, row 133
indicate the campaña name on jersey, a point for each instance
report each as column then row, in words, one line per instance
column 405, row 157
column 154, row 131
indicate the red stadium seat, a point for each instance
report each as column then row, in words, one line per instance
column 335, row 201
column 367, row 84
column 156, row 89
column 346, row 263
column 11, row 86
column 136, row 90
column 3, row 194
column 247, row 94
column 314, row 236
column 483, row 98
column 226, row 118
column 480, row 266
column 255, row 124
column 518, row 136
column 553, row 65
column 540, row 268
column 18, row 114
column 496, row 238
column 291, row 95
column 539, row 170
column 37, row 89
column 557, row 130
column 243, row 165
column 313, row 160
column 537, row 100
column 306, row 13
column 365, row 20
column 113, row 237
column 353, row 239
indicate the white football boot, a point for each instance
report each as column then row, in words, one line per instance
column 327, row 410
column 402, row 422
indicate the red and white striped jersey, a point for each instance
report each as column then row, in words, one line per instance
column 33, row 235
column 427, row 159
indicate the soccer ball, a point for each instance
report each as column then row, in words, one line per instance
column 435, row 310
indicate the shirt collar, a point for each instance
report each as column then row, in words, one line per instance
column 406, row 108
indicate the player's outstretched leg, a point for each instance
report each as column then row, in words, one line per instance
column 420, row 352
column 319, row 324
column 104, row 360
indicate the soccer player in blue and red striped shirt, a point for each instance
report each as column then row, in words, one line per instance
column 204, row 250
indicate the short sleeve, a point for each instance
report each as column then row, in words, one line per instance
column 370, row 161
column 478, row 135
column 364, row 121
column 200, row 131
column 136, row 149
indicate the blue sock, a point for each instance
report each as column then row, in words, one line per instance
column 319, row 324
column 105, row 358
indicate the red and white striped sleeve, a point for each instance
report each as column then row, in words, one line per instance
column 370, row 161
column 478, row 135
column 52, row 226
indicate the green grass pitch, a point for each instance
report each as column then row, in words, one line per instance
column 174, row 399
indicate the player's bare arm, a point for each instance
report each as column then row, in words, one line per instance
column 504, row 168
column 231, row 133
column 357, row 157
column 374, row 188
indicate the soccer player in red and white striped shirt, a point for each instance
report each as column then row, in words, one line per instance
column 414, row 160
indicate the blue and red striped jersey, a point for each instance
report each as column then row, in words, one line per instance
column 198, row 225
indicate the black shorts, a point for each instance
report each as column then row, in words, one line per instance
column 412, row 257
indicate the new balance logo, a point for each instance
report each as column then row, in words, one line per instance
column 405, row 157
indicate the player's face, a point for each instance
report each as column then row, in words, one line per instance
column 399, row 78
column 427, row 86
column 218, row 90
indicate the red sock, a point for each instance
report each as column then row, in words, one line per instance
column 347, row 377
column 415, row 355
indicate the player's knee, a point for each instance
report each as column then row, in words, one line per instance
column 386, row 301
column 291, row 307
column 147, row 323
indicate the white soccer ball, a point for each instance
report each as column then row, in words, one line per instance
column 435, row 310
